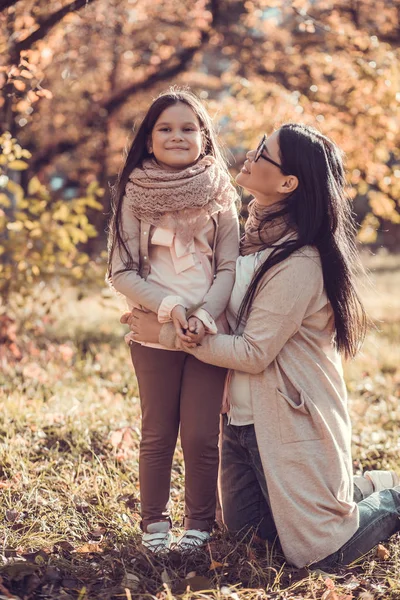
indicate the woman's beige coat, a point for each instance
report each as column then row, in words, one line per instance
column 299, row 405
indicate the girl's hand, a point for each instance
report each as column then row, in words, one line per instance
column 196, row 330
column 144, row 325
column 178, row 316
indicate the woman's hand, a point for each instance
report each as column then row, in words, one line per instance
column 196, row 330
column 144, row 325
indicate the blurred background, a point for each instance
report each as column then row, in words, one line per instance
column 77, row 76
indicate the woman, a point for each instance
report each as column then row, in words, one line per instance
column 286, row 465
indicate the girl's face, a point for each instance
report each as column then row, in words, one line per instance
column 176, row 139
column 261, row 173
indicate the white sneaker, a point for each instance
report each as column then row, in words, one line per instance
column 382, row 480
column 192, row 539
column 158, row 537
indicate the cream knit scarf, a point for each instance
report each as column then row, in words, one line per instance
column 179, row 200
column 258, row 236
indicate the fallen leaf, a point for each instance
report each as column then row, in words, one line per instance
column 216, row 565
column 329, row 583
column 329, row 595
column 382, row 553
column 38, row 558
column 67, row 546
column 89, row 548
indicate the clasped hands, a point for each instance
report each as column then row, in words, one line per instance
column 146, row 328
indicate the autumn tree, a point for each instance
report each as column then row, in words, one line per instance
column 78, row 75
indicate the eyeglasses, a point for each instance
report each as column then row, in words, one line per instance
column 259, row 154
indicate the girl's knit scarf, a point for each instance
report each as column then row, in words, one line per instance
column 179, row 200
column 262, row 229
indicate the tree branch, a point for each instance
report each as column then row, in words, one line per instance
column 112, row 103
column 164, row 72
column 48, row 23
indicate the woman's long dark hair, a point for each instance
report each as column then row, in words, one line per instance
column 321, row 213
column 138, row 152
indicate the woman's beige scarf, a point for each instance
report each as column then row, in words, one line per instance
column 179, row 200
column 258, row 236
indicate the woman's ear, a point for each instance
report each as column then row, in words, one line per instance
column 149, row 146
column 290, row 184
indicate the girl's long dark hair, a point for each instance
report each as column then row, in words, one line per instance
column 139, row 152
column 321, row 213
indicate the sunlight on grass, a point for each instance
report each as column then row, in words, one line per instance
column 69, row 443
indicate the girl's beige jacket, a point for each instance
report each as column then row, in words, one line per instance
column 132, row 282
column 299, row 405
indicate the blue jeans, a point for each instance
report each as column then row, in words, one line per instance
column 247, row 511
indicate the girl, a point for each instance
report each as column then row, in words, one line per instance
column 286, row 466
column 173, row 244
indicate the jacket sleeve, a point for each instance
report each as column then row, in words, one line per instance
column 226, row 253
column 276, row 314
column 130, row 283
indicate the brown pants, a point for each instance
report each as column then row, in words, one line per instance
column 177, row 389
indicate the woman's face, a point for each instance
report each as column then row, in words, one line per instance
column 263, row 178
column 176, row 139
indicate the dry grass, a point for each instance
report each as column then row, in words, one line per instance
column 69, row 438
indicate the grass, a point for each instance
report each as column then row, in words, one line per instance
column 69, row 435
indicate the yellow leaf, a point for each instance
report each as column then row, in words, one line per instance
column 29, row 224
column 5, row 200
column 88, row 548
column 61, row 214
column 94, row 204
column 16, row 190
column 34, row 186
column 16, row 226
column 18, row 165
column 36, row 233
column 216, row 565
column 92, row 187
